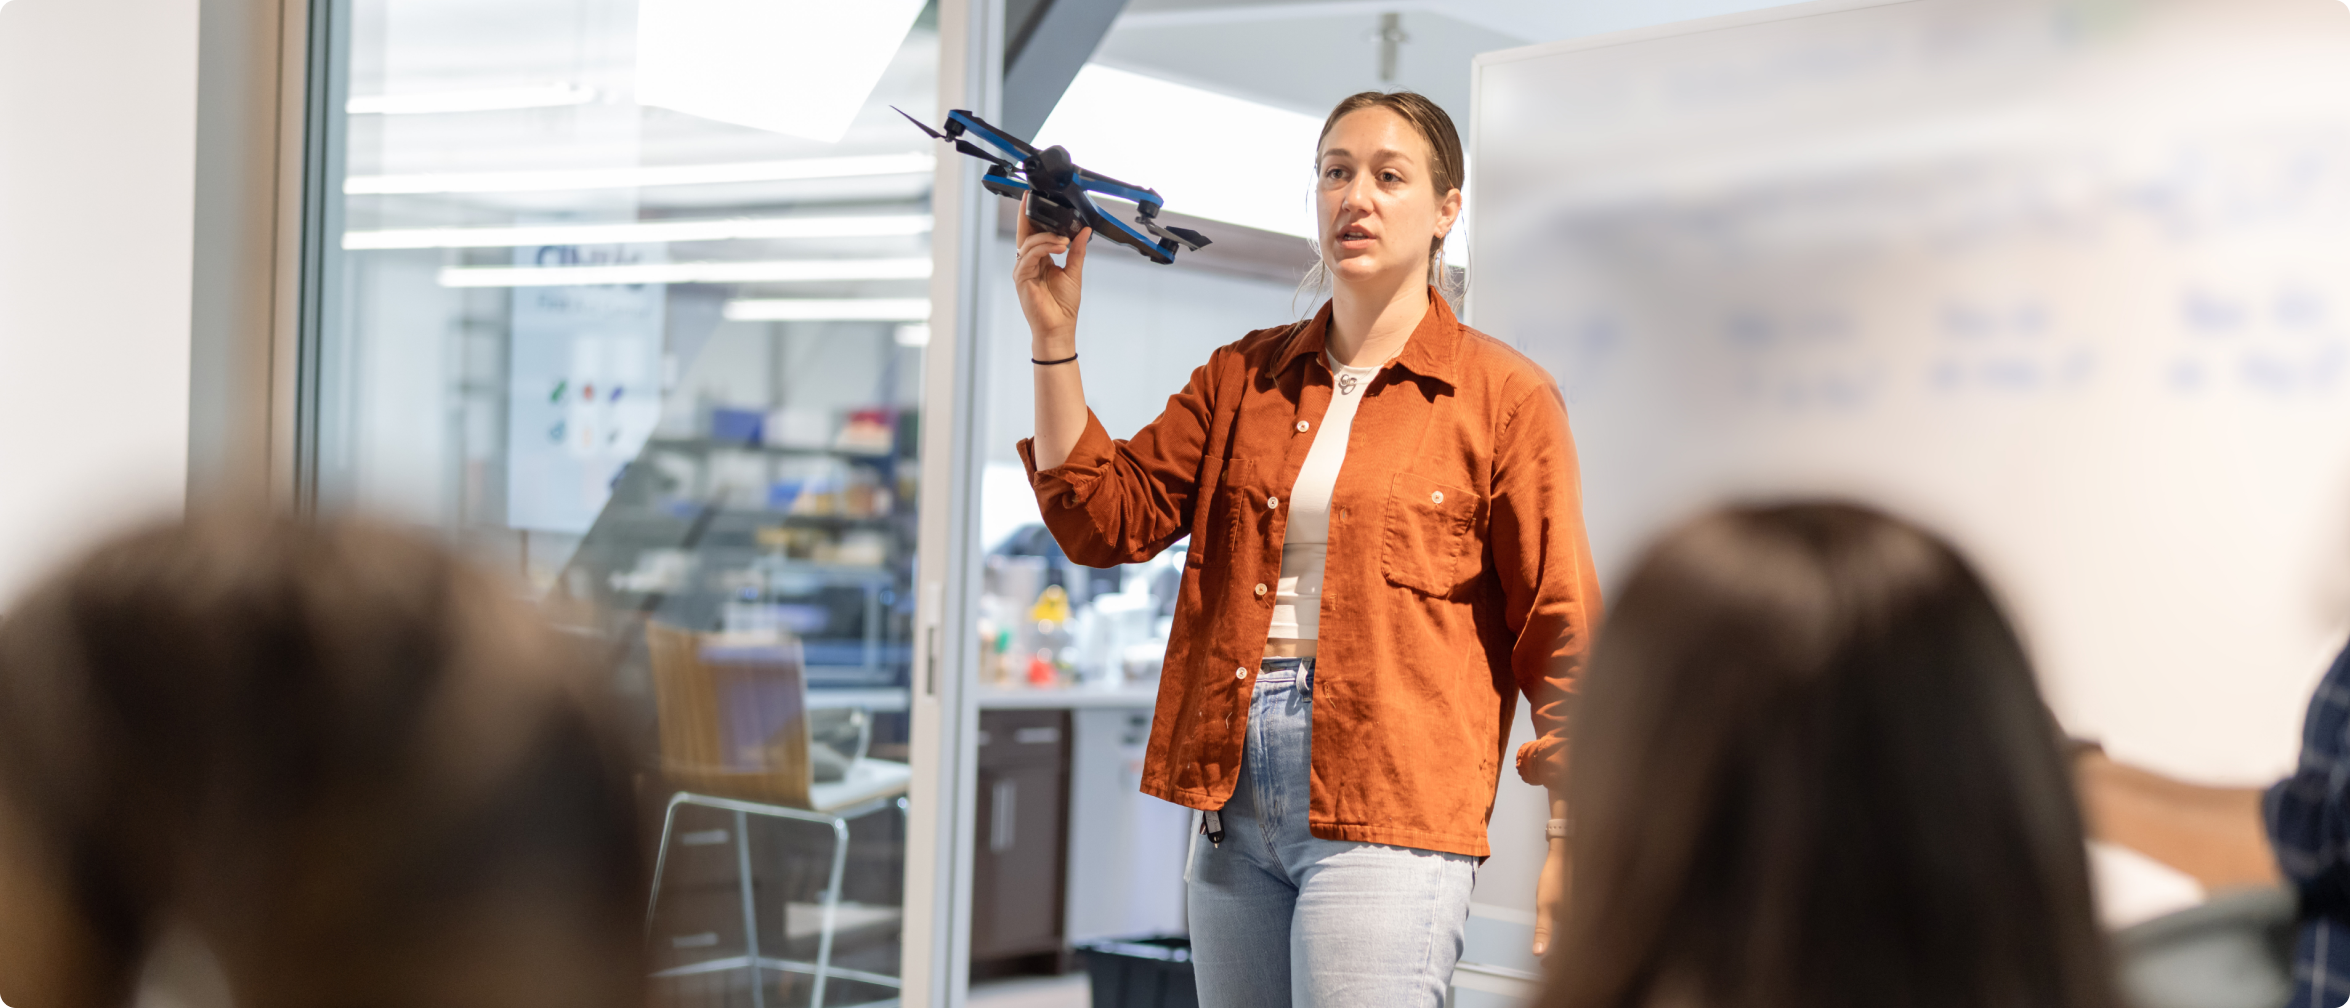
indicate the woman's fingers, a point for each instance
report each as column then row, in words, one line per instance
column 1036, row 254
column 1031, row 250
column 1076, row 247
column 1053, row 243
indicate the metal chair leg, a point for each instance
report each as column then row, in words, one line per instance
column 661, row 860
column 742, row 867
column 829, row 920
column 840, row 857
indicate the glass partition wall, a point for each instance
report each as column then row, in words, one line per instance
column 629, row 298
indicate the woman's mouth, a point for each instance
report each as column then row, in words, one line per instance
column 1353, row 236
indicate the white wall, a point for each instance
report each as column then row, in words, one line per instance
column 97, row 163
column 2052, row 297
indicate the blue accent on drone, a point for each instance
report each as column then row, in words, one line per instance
column 1124, row 192
column 1122, row 226
column 1015, row 149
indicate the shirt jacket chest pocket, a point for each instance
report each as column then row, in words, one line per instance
column 1428, row 540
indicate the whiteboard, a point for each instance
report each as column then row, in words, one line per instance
column 2068, row 282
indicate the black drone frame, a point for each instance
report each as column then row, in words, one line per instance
column 1061, row 194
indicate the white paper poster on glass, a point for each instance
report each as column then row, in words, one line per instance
column 586, row 373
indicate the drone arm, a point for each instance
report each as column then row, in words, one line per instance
column 1119, row 231
column 1146, row 199
column 981, row 128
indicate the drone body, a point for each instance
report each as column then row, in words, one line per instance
column 1060, row 194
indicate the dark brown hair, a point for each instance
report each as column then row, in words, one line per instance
column 1812, row 770
column 1448, row 168
column 356, row 770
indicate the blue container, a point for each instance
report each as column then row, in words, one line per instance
column 741, row 426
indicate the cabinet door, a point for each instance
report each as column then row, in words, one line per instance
column 1019, row 866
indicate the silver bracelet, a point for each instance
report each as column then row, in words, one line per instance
column 1559, row 829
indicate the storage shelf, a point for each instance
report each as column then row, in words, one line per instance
column 705, row 445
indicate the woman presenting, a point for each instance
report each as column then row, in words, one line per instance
column 1386, row 548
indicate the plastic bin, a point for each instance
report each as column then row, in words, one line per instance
column 1141, row 973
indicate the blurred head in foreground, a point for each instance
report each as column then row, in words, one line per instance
column 344, row 766
column 1812, row 769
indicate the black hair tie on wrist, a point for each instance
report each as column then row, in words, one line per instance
column 1049, row 363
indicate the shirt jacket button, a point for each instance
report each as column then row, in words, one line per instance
column 1302, row 425
column 1437, row 497
column 1260, row 589
column 1272, row 502
column 1239, row 673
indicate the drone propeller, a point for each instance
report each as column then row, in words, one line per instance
column 976, row 151
column 919, row 124
column 1191, row 240
column 962, row 145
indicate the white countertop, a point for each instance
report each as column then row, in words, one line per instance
column 890, row 698
column 1140, row 696
column 1144, row 696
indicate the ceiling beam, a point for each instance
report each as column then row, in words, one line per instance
column 1044, row 52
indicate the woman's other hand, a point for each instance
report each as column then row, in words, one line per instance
column 1550, row 894
column 1049, row 293
column 1558, row 876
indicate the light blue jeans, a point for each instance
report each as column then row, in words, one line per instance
column 1279, row 917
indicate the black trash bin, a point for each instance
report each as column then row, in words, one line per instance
column 1141, row 972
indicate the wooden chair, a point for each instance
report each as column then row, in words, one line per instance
column 734, row 737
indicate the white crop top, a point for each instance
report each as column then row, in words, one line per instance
column 1297, row 605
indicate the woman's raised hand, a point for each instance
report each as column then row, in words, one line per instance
column 1049, row 293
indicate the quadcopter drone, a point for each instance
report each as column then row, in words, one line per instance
column 1062, row 193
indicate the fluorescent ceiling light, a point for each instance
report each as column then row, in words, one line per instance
column 636, row 178
column 482, row 100
column 828, row 309
column 802, row 67
column 1149, row 132
column 692, row 272
column 867, row 226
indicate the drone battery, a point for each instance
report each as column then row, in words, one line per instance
column 1049, row 215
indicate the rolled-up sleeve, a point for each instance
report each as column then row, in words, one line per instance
column 1550, row 589
column 1115, row 502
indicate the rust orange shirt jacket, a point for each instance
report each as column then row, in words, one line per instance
column 1458, row 573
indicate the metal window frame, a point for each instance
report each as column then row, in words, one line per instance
column 303, row 157
column 945, row 724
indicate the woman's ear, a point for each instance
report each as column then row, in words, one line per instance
column 1448, row 213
